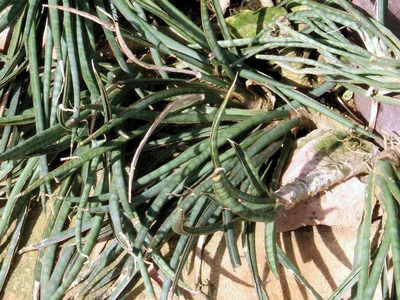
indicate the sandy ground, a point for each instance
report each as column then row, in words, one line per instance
column 323, row 254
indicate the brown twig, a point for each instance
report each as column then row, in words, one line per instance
column 86, row 15
column 171, row 106
column 124, row 47
column 145, row 65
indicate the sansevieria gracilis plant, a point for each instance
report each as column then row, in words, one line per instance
column 178, row 129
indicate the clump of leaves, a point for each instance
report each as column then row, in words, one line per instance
column 123, row 153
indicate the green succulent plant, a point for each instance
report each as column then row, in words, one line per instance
column 143, row 148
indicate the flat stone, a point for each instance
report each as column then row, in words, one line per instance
column 342, row 205
column 387, row 120
column 331, row 207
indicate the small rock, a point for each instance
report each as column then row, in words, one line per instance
column 332, row 206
